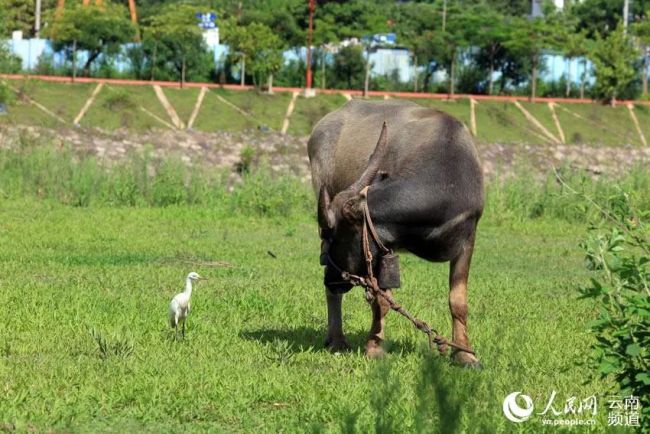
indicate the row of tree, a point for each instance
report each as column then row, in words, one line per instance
column 471, row 41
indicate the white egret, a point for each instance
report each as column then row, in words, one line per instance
column 179, row 308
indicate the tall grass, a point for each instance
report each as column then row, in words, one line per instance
column 61, row 175
column 563, row 195
column 58, row 174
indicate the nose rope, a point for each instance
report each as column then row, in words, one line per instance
column 369, row 282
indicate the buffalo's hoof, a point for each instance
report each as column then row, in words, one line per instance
column 337, row 344
column 474, row 365
column 374, row 350
column 466, row 360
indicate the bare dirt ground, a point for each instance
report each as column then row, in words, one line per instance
column 288, row 154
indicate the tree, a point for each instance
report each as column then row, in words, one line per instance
column 575, row 45
column 613, row 57
column 528, row 39
column 510, row 7
column 602, row 16
column 266, row 56
column 642, row 32
column 414, row 24
column 349, row 66
column 489, row 32
column 355, row 19
column 17, row 15
column 286, row 18
column 173, row 40
column 9, row 63
column 254, row 44
column 96, row 29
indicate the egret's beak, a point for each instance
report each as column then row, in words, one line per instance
column 203, row 278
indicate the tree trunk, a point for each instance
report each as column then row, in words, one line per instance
column 270, row 84
column 646, row 70
column 415, row 73
column 90, row 60
column 322, row 69
column 452, row 73
column 582, row 79
column 426, row 82
column 533, row 81
column 242, row 70
column 491, row 74
column 183, row 67
column 568, row 78
column 366, row 81
column 74, row 60
column 153, row 61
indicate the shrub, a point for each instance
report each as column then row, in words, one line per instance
column 119, row 100
column 6, row 95
column 618, row 253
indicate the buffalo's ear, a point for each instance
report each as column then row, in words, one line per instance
column 325, row 213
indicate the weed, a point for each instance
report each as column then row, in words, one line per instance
column 280, row 351
column 114, row 346
column 246, row 157
column 119, row 101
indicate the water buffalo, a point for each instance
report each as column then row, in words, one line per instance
column 425, row 196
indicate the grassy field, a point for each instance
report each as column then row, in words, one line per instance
column 85, row 346
column 136, row 108
column 253, row 357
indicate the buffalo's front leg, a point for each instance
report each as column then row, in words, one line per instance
column 458, row 276
column 335, row 340
column 380, row 308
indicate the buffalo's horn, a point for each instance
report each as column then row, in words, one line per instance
column 325, row 213
column 373, row 164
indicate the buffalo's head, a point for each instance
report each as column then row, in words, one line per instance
column 341, row 219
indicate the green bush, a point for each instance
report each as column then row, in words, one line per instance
column 6, row 95
column 618, row 254
column 120, row 100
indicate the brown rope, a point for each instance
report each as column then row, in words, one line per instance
column 373, row 290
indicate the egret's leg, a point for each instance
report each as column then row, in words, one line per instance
column 183, row 329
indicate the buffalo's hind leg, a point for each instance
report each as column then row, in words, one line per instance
column 458, row 276
column 335, row 340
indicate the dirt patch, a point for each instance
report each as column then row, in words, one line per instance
column 288, row 154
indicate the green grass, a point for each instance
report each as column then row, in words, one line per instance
column 502, row 122
column 543, row 114
column 308, row 111
column 182, row 100
column 597, row 125
column 263, row 108
column 105, row 270
column 102, row 114
column 457, row 108
column 23, row 113
column 64, row 99
column 118, row 107
column 497, row 122
column 253, row 358
column 643, row 115
column 215, row 115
